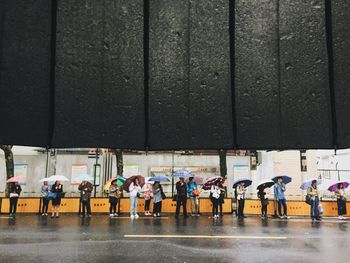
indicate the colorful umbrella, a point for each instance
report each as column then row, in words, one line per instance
column 120, row 181
column 265, row 184
column 198, row 179
column 183, row 173
column 334, row 186
column 285, row 178
column 17, row 179
column 131, row 179
column 308, row 183
column 247, row 182
column 159, row 178
column 212, row 181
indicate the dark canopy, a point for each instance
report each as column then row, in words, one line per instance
column 184, row 74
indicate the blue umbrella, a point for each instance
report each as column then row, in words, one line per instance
column 247, row 182
column 308, row 183
column 159, row 178
column 183, row 173
column 285, row 178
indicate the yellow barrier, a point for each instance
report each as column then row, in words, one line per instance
column 101, row 205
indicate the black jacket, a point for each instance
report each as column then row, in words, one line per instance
column 181, row 189
column 16, row 189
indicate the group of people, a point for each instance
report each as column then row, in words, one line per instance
column 184, row 190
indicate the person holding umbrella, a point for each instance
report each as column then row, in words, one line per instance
column 85, row 189
column 44, row 193
column 241, row 198
column 181, row 189
column 193, row 193
column 312, row 191
column 279, row 190
column 57, row 189
column 157, row 198
column 134, row 190
column 215, row 196
column 15, row 191
column 114, row 193
column 341, row 200
column 147, row 189
column 263, row 193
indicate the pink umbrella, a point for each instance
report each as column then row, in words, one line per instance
column 16, row 179
column 334, row 187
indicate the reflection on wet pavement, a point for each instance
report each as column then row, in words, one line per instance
column 30, row 238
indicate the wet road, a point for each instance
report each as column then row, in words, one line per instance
column 30, row 238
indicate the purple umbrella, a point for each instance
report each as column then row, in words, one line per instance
column 128, row 181
column 334, row 187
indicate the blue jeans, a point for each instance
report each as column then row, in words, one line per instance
column 133, row 205
column 314, row 209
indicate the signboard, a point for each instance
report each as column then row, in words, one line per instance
column 241, row 171
column 130, row 169
column 78, row 169
column 21, row 170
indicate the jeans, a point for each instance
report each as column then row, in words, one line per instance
column 215, row 206
column 157, row 207
column 194, row 205
column 133, row 205
column 341, row 206
column 181, row 201
column 282, row 202
column 13, row 205
column 315, row 214
column 86, row 204
column 45, row 206
column 240, row 207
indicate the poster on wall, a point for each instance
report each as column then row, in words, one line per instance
column 77, row 170
column 130, row 169
column 241, row 171
column 21, row 170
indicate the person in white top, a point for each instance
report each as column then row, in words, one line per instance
column 214, row 196
column 241, row 198
column 134, row 190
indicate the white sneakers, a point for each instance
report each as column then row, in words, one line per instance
column 132, row 217
column 111, row 215
column 341, row 218
column 136, row 216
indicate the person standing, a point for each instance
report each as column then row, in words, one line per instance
column 181, row 189
column 85, row 189
column 221, row 200
column 44, row 192
column 314, row 195
column 241, row 199
column 134, row 190
column 192, row 191
column 341, row 201
column 114, row 194
column 157, row 199
column 15, row 191
column 215, row 196
column 57, row 188
column 279, row 191
column 263, row 196
column 147, row 196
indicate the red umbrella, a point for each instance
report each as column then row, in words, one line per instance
column 212, row 180
column 131, row 179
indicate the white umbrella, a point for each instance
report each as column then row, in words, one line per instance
column 44, row 180
column 60, row 178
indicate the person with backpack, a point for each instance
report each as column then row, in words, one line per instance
column 313, row 194
column 15, row 191
column 263, row 196
column 85, row 189
column 193, row 193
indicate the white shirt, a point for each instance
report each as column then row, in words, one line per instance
column 240, row 192
column 133, row 189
